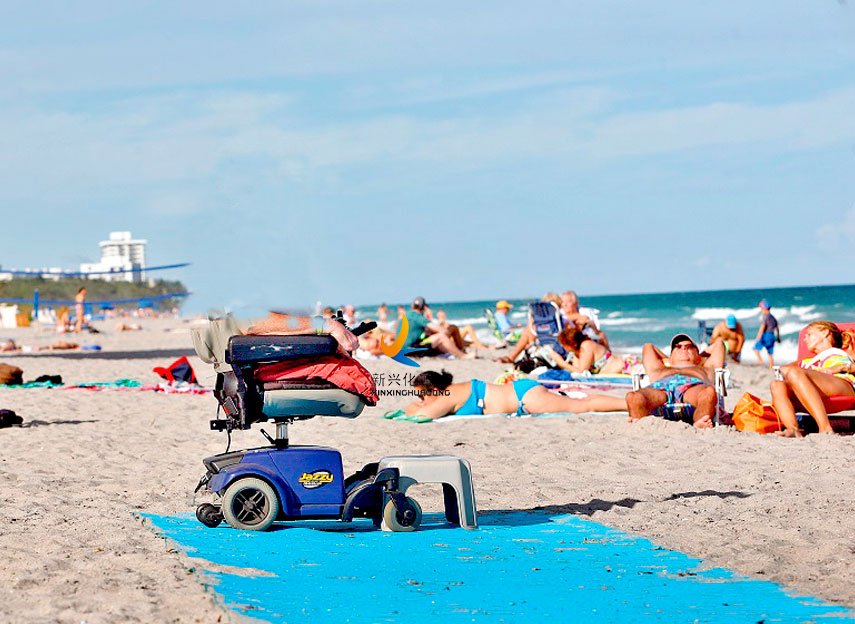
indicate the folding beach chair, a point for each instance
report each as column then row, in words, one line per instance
column 547, row 324
column 512, row 336
column 685, row 411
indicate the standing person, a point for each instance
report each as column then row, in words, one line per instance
column 79, row 300
column 768, row 333
column 731, row 332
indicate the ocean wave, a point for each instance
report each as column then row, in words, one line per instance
column 805, row 313
column 790, row 328
column 785, row 352
column 710, row 314
column 610, row 321
column 479, row 320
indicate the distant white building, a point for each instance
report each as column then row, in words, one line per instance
column 122, row 259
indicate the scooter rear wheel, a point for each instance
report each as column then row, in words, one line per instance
column 405, row 520
column 250, row 504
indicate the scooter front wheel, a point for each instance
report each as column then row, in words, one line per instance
column 404, row 520
column 250, row 504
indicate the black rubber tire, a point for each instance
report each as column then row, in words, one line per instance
column 398, row 522
column 209, row 515
column 250, row 504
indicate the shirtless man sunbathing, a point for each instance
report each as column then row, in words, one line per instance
column 688, row 379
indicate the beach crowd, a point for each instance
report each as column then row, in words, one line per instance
column 684, row 384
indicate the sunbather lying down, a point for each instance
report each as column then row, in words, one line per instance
column 10, row 346
column 525, row 396
column 688, row 379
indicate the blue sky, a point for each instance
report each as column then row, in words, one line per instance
column 366, row 151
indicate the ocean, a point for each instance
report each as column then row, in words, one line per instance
column 631, row 320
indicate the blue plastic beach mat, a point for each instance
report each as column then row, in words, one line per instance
column 519, row 566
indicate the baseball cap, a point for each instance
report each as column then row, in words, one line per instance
column 504, row 305
column 681, row 338
column 730, row 321
column 419, row 303
column 764, row 303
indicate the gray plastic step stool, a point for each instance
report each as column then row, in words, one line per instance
column 453, row 472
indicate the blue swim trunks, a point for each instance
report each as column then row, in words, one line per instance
column 767, row 341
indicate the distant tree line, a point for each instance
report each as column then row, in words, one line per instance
column 96, row 290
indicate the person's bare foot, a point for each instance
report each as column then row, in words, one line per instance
column 637, row 405
column 790, row 433
column 704, row 422
column 505, row 359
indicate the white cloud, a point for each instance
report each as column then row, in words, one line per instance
column 838, row 234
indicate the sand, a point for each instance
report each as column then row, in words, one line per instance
column 73, row 480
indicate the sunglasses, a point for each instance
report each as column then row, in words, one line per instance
column 685, row 345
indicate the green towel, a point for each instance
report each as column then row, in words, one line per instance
column 401, row 415
column 33, row 384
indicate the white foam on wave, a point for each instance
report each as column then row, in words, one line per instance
column 802, row 313
column 610, row 321
column 710, row 314
column 613, row 314
column 785, row 352
column 790, row 328
column 475, row 320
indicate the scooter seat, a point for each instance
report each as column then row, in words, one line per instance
column 282, row 403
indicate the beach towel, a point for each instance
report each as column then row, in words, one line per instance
column 400, row 416
column 179, row 370
column 566, row 378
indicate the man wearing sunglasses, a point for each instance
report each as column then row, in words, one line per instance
column 685, row 377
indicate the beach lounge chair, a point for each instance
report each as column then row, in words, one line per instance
column 685, row 411
column 511, row 338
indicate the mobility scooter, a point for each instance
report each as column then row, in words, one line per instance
column 252, row 489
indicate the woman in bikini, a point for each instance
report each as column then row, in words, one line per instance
column 829, row 372
column 441, row 397
column 589, row 354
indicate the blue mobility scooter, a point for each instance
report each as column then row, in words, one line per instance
column 251, row 489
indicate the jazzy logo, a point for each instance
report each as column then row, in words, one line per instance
column 312, row 480
column 396, row 350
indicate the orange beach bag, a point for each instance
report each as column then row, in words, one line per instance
column 753, row 414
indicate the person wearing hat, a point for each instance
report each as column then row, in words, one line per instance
column 768, row 333
column 731, row 333
column 686, row 379
column 502, row 321
column 425, row 333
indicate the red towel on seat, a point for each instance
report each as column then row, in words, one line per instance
column 344, row 372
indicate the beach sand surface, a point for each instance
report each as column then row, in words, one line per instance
column 74, row 477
